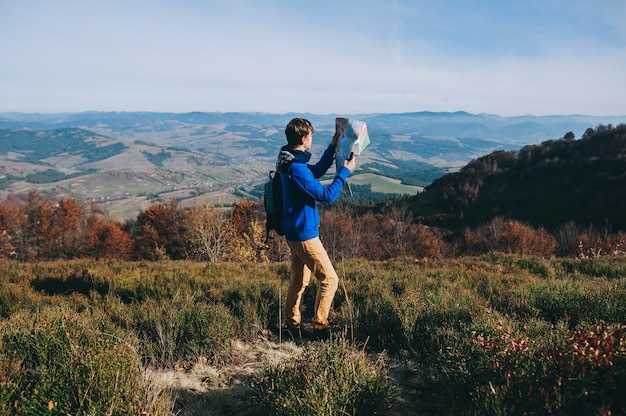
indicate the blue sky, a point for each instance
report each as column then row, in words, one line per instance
column 506, row 57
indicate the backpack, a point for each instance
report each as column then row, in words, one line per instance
column 273, row 202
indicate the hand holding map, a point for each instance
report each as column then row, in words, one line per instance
column 353, row 139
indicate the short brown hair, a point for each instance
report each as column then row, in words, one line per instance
column 296, row 130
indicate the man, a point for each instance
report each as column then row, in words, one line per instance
column 301, row 192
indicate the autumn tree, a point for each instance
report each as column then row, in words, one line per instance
column 69, row 230
column 37, row 229
column 209, row 232
column 427, row 242
column 380, row 237
column 160, row 232
column 10, row 222
column 248, row 242
column 107, row 239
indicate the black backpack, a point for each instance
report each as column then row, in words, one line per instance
column 273, row 202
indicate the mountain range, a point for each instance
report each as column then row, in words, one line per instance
column 127, row 160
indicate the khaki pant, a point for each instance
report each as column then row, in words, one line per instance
column 310, row 257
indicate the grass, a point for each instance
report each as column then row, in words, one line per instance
column 331, row 379
column 384, row 184
column 65, row 362
column 488, row 335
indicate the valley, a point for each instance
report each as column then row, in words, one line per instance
column 123, row 162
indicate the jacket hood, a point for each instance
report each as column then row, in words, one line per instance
column 288, row 155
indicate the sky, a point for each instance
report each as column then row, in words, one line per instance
column 504, row 57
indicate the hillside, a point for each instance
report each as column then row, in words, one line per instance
column 544, row 185
column 128, row 160
column 123, row 174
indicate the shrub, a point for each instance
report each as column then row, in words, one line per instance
column 509, row 237
column 377, row 317
column 61, row 362
column 254, row 303
column 329, row 379
column 605, row 267
column 559, row 372
column 177, row 330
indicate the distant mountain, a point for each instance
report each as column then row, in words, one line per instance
column 519, row 130
column 136, row 157
column 437, row 139
column 545, row 185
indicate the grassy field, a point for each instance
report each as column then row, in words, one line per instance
column 384, row 184
column 490, row 335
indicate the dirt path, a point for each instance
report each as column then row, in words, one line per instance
column 223, row 388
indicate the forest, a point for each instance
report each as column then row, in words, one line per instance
column 545, row 185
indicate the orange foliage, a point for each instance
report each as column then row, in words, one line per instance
column 160, row 232
column 35, row 228
column 105, row 239
column 69, row 229
column 10, row 222
column 428, row 242
column 38, row 228
column 509, row 237
column 379, row 237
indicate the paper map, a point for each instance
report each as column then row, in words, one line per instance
column 353, row 138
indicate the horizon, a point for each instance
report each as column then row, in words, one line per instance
column 315, row 114
column 358, row 57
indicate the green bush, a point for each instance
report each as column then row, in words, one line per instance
column 61, row 362
column 377, row 317
column 176, row 330
column 254, row 303
column 329, row 379
column 604, row 267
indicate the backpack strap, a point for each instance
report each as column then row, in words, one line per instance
column 271, row 174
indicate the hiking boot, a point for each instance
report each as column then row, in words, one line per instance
column 296, row 332
column 310, row 332
column 321, row 332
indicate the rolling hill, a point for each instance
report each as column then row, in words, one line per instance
column 545, row 185
column 128, row 160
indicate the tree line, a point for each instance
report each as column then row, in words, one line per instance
column 35, row 228
column 545, row 185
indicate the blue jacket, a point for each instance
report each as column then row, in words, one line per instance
column 302, row 191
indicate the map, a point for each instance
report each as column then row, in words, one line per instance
column 353, row 139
